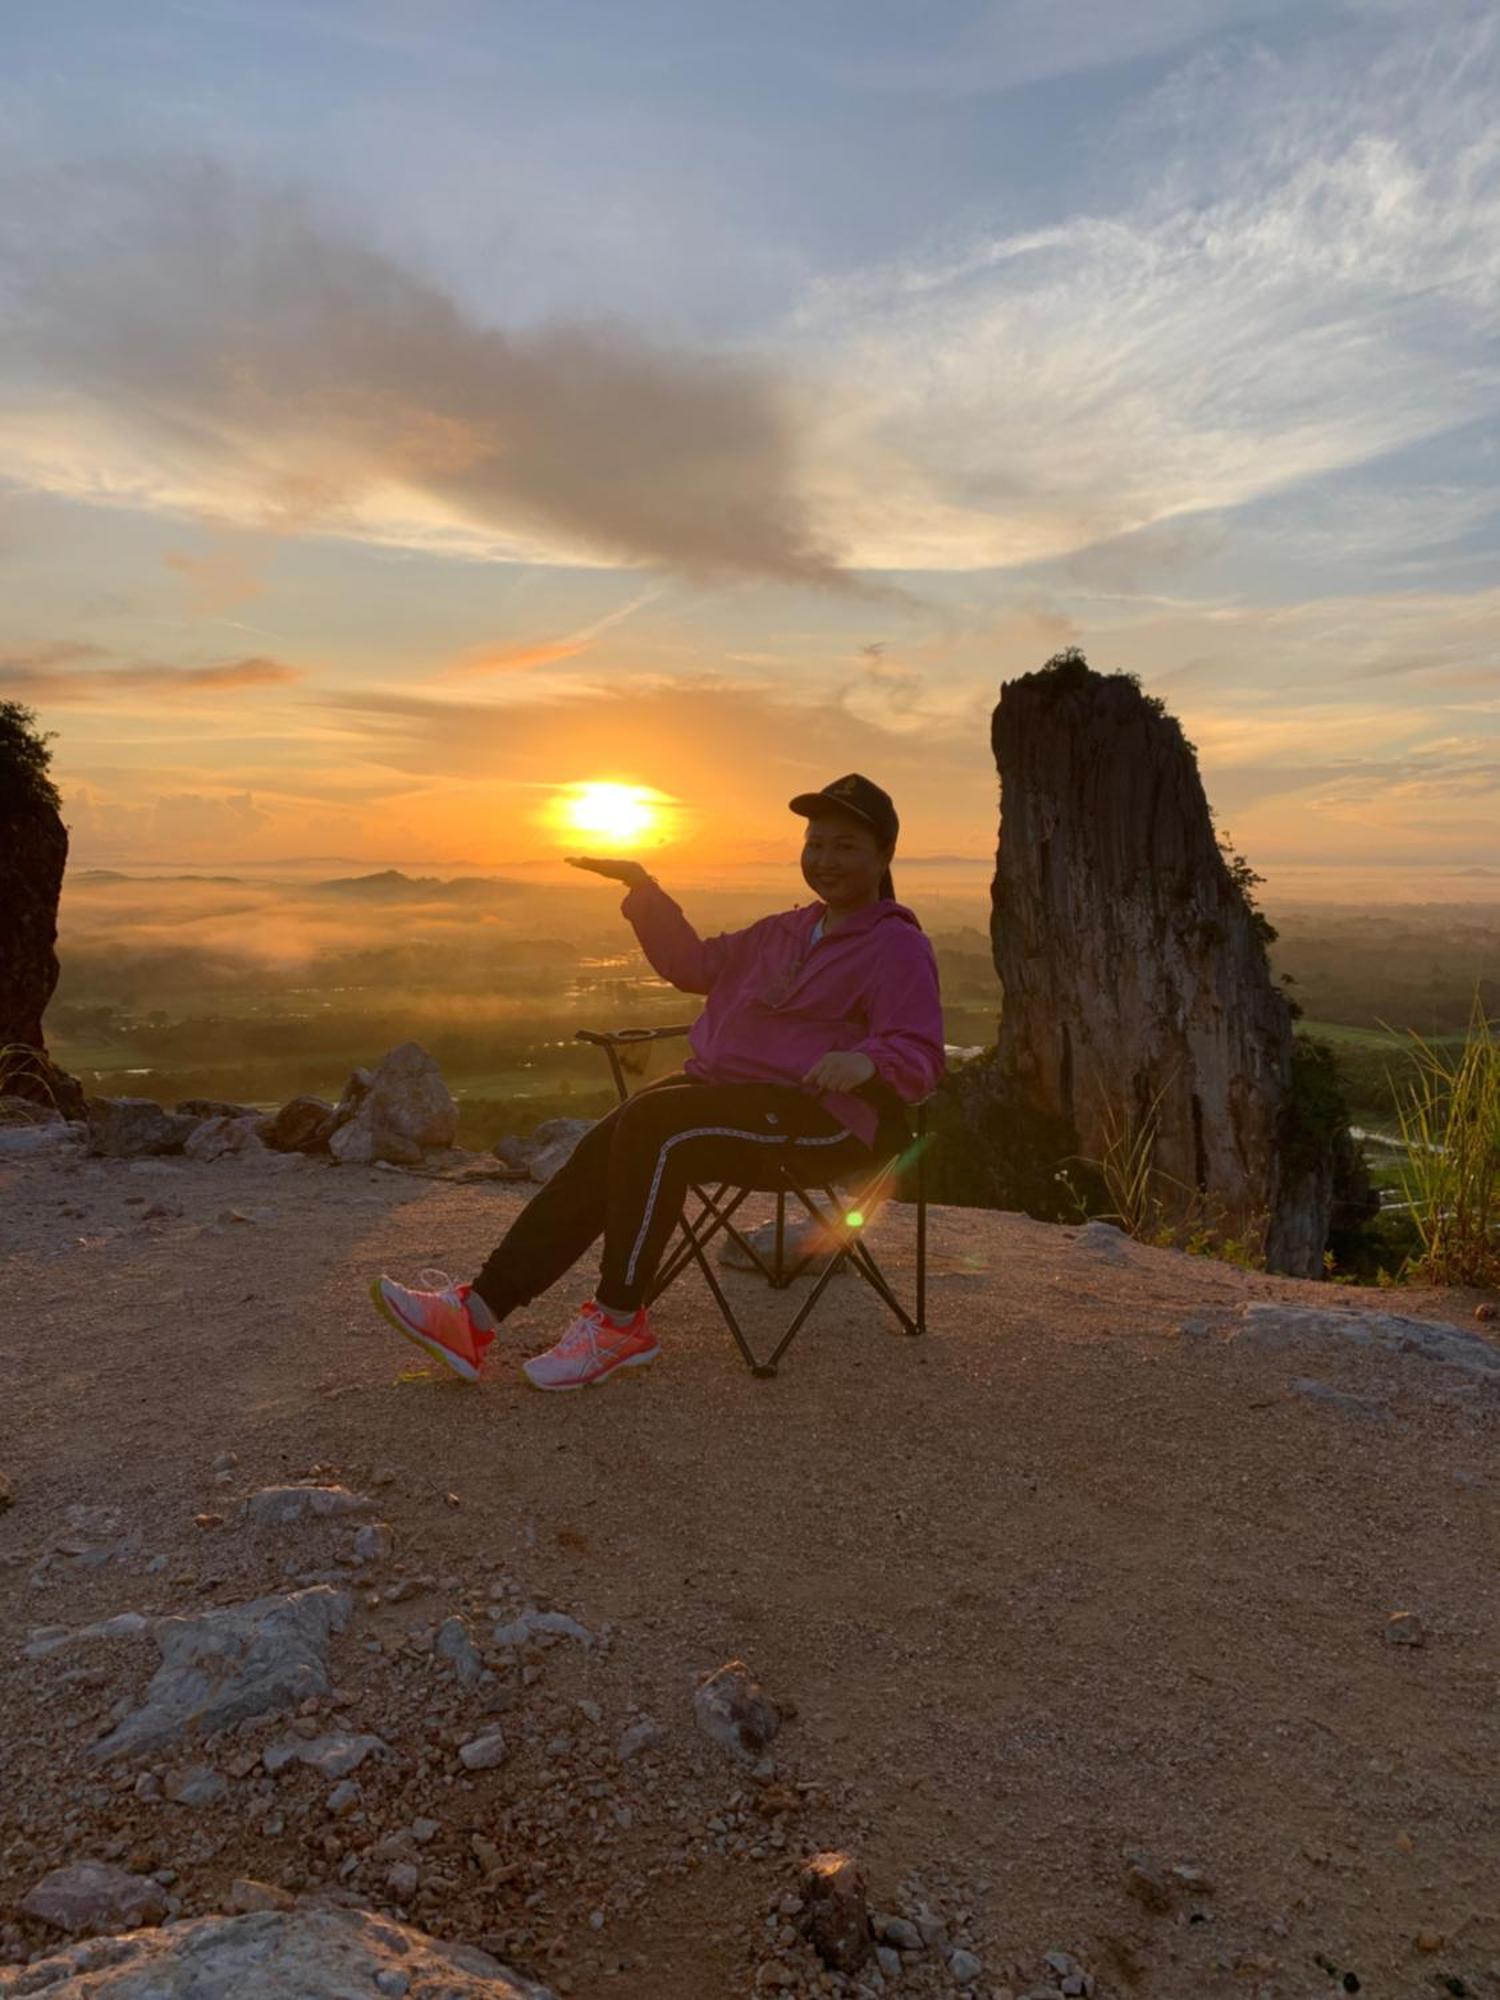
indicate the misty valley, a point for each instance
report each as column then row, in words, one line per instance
column 255, row 991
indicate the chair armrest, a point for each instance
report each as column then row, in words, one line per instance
column 604, row 1039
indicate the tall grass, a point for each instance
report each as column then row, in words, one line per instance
column 1450, row 1173
column 1152, row 1205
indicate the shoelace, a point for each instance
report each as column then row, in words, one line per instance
column 434, row 1280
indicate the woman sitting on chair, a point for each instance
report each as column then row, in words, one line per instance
column 821, row 1024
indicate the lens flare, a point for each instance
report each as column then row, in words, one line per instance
column 854, row 1220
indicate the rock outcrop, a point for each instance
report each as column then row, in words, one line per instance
column 1139, row 1006
column 33, row 855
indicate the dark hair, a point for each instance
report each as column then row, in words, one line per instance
column 887, row 887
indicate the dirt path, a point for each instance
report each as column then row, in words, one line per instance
column 1058, row 1585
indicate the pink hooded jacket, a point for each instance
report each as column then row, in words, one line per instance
column 776, row 1003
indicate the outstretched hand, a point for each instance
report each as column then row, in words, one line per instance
column 629, row 872
column 840, row 1069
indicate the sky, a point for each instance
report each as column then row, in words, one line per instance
column 409, row 412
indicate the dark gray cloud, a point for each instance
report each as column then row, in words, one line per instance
column 248, row 350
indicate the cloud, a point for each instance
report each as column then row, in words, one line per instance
column 57, row 674
column 516, row 658
column 1014, row 42
column 1312, row 282
column 204, row 345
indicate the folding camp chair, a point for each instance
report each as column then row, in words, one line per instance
column 841, row 1224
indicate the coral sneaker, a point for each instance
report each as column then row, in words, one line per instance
column 592, row 1348
column 438, row 1321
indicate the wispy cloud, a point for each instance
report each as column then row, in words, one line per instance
column 1323, row 292
column 517, row 657
column 60, row 673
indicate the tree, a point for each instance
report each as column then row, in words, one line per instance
column 25, row 761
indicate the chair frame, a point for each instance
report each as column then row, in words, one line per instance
column 848, row 1245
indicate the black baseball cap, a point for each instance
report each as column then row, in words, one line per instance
column 858, row 796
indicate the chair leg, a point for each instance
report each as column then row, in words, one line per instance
column 756, row 1367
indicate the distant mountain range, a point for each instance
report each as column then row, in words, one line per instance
column 391, row 886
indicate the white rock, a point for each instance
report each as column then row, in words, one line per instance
column 231, row 1663
column 531, row 1623
column 333, row 1756
column 301, row 1954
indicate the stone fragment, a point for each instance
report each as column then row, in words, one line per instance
column 332, row 1756
column 639, row 1736
column 836, row 1914
column 965, row 1967
column 198, row 1785
column 483, row 1753
column 130, row 1128
column 407, row 1107
column 246, row 1894
column 372, row 1542
column 232, row 1663
column 273, row 1954
column 532, row 1623
column 1103, row 1241
column 454, row 1645
column 734, row 1711
column 898, row 1932
column 280, row 1506
column 344, row 1797
column 1405, row 1628
column 403, row 1880
column 87, row 1897
column 1147, row 1885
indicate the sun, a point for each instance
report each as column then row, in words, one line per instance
column 616, row 814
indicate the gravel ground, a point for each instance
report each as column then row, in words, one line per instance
column 1073, row 1593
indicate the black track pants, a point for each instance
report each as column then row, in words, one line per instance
column 629, row 1176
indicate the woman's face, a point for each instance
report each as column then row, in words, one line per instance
column 843, row 860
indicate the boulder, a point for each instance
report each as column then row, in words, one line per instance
column 131, row 1128
column 87, row 1897
column 213, row 1107
column 734, row 1711
column 405, row 1108
column 229, row 1664
column 224, row 1138
column 302, row 1125
column 272, row 1954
